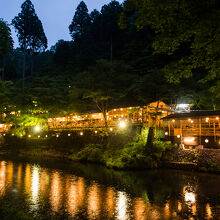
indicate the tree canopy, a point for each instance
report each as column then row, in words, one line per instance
column 29, row 29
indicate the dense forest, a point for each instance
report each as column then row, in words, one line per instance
column 124, row 55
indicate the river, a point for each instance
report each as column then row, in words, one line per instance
column 67, row 190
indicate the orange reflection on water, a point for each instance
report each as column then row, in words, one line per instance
column 94, row 198
column 167, row 211
column 72, row 197
column 55, row 194
column 81, row 191
column 9, row 177
column 110, row 202
column 2, row 176
column 194, row 209
column 140, row 209
column 19, row 173
column 208, row 211
column 27, row 179
column 179, row 206
column 44, row 182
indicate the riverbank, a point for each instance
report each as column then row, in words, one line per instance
column 118, row 151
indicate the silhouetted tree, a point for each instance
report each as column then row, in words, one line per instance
column 6, row 44
column 30, row 32
column 80, row 22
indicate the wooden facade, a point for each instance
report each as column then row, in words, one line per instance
column 148, row 115
column 196, row 128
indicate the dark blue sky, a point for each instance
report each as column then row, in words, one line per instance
column 56, row 15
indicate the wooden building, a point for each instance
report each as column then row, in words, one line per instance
column 148, row 115
column 196, row 128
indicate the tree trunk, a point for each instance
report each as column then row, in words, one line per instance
column 3, row 68
column 32, row 65
column 150, row 139
column 111, row 50
column 24, row 68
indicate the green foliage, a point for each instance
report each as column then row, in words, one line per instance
column 21, row 123
column 102, row 84
column 187, row 32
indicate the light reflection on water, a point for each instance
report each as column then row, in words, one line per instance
column 76, row 196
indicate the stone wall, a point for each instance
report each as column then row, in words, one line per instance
column 207, row 160
column 207, row 157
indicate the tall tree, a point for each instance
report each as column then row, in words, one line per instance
column 80, row 22
column 6, row 44
column 110, row 17
column 30, row 32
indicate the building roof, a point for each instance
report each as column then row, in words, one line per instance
column 192, row 114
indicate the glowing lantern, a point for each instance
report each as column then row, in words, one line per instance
column 37, row 128
column 122, row 124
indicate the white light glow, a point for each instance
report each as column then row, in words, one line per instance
column 37, row 128
column 122, row 124
column 190, row 197
column 189, row 139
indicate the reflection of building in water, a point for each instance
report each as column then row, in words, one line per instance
column 167, row 211
column 110, row 202
column 19, row 175
column 140, row 209
column 2, row 177
column 35, row 187
column 81, row 191
column 27, row 179
column 10, row 171
column 44, row 183
column 72, row 196
column 208, row 212
column 122, row 206
column 55, row 194
column 94, row 201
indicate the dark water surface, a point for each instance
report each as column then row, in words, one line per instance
column 69, row 190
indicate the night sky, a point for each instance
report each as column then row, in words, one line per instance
column 56, row 15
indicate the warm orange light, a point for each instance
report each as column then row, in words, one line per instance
column 173, row 120
column 166, row 133
column 178, row 136
column 217, row 118
column 189, row 139
column 206, row 140
column 81, row 133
